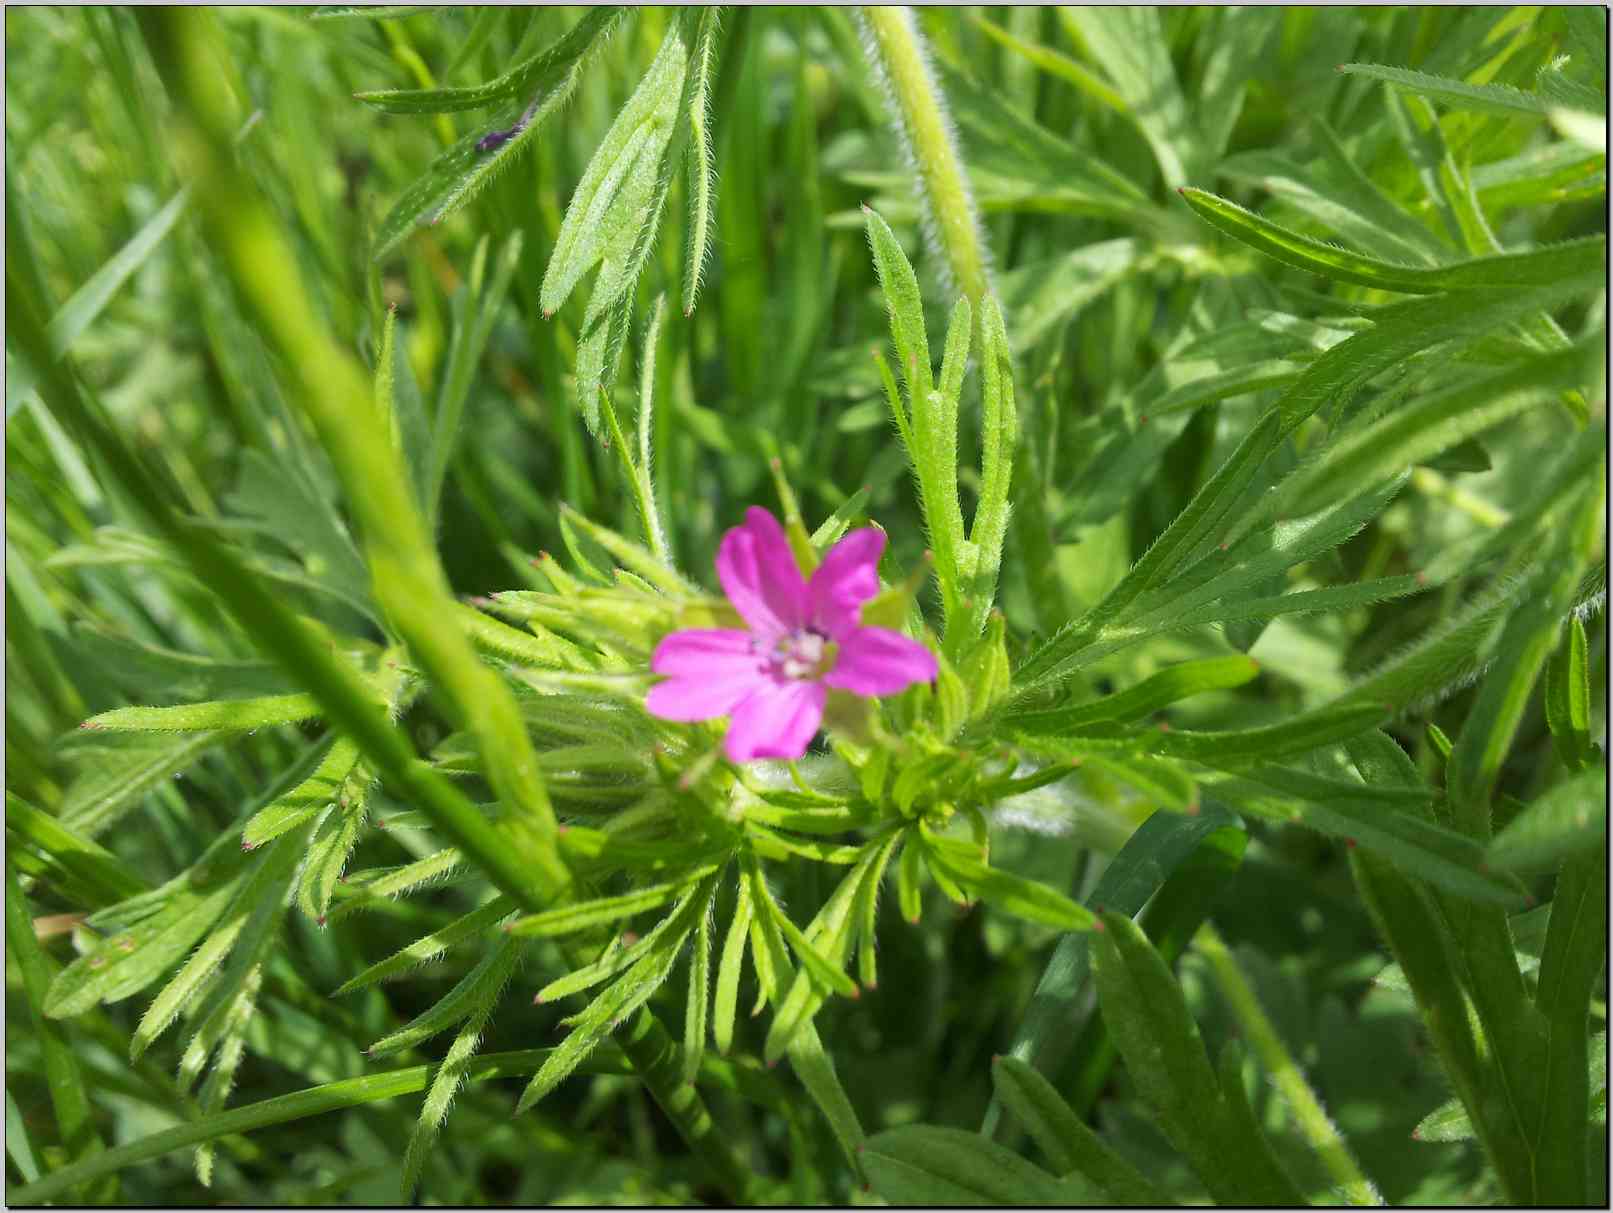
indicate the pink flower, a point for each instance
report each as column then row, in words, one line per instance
column 803, row 638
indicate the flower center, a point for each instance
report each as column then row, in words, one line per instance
column 805, row 653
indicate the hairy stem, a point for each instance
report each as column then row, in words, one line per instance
column 896, row 50
column 1313, row 1121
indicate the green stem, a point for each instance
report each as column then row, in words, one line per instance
column 299, row 1105
column 68, row 1096
column 338, row 398
column 658, row 1060
column 1313, row 1121
column 899, row 57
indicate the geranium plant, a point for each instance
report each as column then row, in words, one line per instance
column 1053, row 558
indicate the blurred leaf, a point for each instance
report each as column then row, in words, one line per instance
column 930, row 1165
column 466, row 168
column 1065, row 1139
column 1566, row 821
column 1149, row 1020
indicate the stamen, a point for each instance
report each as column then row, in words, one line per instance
column 799, row 654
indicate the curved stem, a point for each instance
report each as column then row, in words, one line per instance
column 896, row 49
column 1312, row 1119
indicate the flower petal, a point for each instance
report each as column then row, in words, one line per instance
column 777, row 720
column 878, row 661
column 704, row 650
column 759, row 574
column 702, row 696
column 847, row 578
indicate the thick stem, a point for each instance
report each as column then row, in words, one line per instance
column 896, row 49
column 1312, row 1120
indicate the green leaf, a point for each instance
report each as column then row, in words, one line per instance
column 928, row 427
column 475, row 313
column 699, row 993
column 455, row 1067
column 18, row 1146
column 371, row 12
column 1564, row 822
column 1507, row 270
column 999, row 434
column 567, row 919
column 465, row 169
column 277, row 498
column 332, row 845
column 1228, row 750
column 930, row 1165
column 1148, row 1018
column 223, row 715
column 1129, row 44
column 1151, row 859
column 307, row 800
column 76, row 856
column 427, row 947
column 126, row 963
column 534, row 75
column 1500, row 99
column 619, row 959
column 1570, row 968
column 728, row 971
column 1159, row 690
column 1408, row 918
column 1568, row 696
column 602, row 220
column 832, row 930
column 60, row 1063
column 477, row 989
column 630, row 992
column 80, row 311
column 123, row 769
column 1432, row 423
column 282, row 1109
column 137, row 666
column 248, row 921
column 1029, row 899
column 1065, row 1138
column 702, row 174
column 1448, row 1122
column 397, row 398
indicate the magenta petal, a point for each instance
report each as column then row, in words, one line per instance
column 759, row 574
column 777, row 720
column 878, row 661
column 847, row 578
column 703, row 696
column 702, row 651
